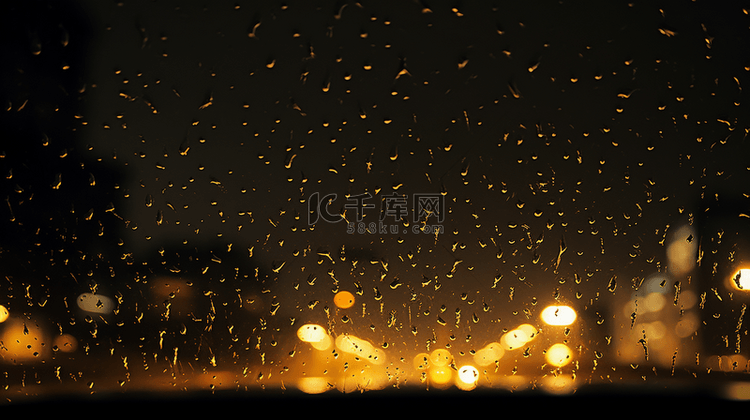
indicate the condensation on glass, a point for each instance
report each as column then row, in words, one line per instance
column 369, row 196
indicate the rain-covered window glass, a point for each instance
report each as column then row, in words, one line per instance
column 341, row 197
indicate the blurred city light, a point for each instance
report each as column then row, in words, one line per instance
column 558, row 355
column 558, row 315
column 741, row 279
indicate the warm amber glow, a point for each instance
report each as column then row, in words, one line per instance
column 440, row 375
column 741, row 279
column 559, row 355
column 344, row 300
column 23, row 341
column 489, row 354
column 654, row 302
column 652, row 330
column 66, row 343
column 529, row 330
column 350, row 344
column 422, row 361
column 177, row 292
column 94, row 303
column 687, row 299
column 558, row 384
column 468, row 374
column 518, row 337
column 558, row 315
column 687, row 325
column 221, row 379
column 323, row 344
column 4, row 314
column 738, row 391
column 513, row 339
column 728, row 363
column 682, row 251
column 440, row 357
column 312, row 333
column 313, row 385
column 363, row 349
column 362, row 380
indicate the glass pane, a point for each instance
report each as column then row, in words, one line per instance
column 293, row 198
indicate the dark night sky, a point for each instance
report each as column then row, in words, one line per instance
column 580, row 149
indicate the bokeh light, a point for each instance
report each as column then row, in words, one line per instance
column 489, row 354
column 361, row 348
column 559, row 355
column 518, row 337
column 66, row 343
column 314, row 385
column 741, row 279
column 312, row 333
column 343, row 299
column 682, row 251
column 654, row 302
column 421, row 361
column 440, row 357
column 558, row 315
column 440, row 375
column 468, row 374
column 737, row 391
column 23, row 341
column 95, row 303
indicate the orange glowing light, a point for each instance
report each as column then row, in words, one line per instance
column 468, row 374
column 363, row 349
column 4, row 314
column 558, row 384
column 440, row 357
column 440, row 375
column 23, row 341
column 687, row 325
column 738, row 391
column 66, row 343
column 176, row 291
column 422, row 361
column 314, row 385
column 323, row 344
column 682, row 252
column 529, row 329
column 344, row 299
column 362, row 380
column 559, row 355
column 559, row 315
column 489, row 354
column 312, row 333
column 518, row 337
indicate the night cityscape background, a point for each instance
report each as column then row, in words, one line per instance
column 164, row 162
